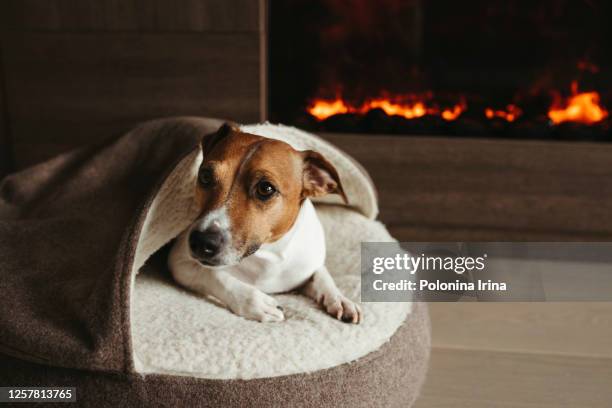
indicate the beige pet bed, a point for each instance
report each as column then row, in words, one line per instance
column 181, row 349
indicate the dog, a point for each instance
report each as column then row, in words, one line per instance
column 258, row 232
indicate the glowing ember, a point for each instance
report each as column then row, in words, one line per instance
column 579, row 107
column 452, row 114
column 322, row 109
column 509, row 114
column 409, row 111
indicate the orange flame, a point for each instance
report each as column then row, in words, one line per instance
column 452, row 114
column 322, row 108
column 581, row 107
column 510, row 114
column 409, row 111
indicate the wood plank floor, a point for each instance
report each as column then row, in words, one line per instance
column 520, row 355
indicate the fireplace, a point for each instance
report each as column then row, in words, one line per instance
column 497, row 68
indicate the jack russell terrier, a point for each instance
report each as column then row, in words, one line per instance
column 258, row 233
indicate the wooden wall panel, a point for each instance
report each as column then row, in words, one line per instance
column 131, row 15
column 434, row 189
column 71, row 89
column 77, row 71
column 5, row 147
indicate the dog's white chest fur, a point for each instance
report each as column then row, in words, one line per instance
column 287, row 263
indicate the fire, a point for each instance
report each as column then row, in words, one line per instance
column 322, row 108
column 452, row 114
column 409, row 110
column 509, row 114
column 582, row 107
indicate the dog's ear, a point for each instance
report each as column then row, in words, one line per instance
column 208, row 142
column 320, row 177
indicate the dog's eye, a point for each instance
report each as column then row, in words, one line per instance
column 264, row 190
column 206, row 177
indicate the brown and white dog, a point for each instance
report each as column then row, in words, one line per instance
column 258, row 232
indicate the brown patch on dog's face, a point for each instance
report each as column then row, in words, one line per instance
column 250, row 190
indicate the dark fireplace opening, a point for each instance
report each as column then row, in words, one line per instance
column 496, row 68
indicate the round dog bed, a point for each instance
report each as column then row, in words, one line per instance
column 146, row 341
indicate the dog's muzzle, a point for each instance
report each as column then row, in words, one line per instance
column 206, row 246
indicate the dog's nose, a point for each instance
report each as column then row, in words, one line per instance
column 207, row 243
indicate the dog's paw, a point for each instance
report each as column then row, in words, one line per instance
column 342, row 308
column 256, row 305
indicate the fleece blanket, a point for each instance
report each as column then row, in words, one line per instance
column 69, row 232
column 74, row 232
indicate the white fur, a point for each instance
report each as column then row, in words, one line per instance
column 296, row 260
column 284, row 265
column 220, row 219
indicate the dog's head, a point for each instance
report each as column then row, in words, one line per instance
column 249, row 191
